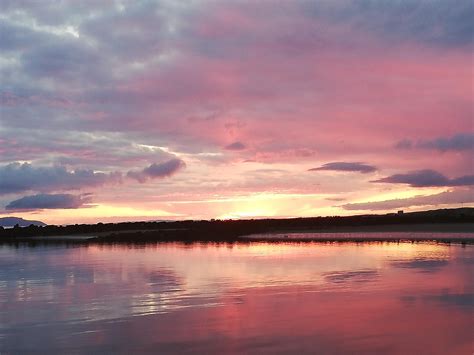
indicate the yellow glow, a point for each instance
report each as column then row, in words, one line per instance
column 246, row 214
column 277, row 205
column 259, row 205
column 254, row 197
column 251, row 208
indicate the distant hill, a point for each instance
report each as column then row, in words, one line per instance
column 449, row 212
column 12, row 221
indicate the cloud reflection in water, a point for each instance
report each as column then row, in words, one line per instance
column 238, row 298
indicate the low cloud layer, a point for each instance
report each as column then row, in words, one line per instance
column 17, row 178
column 427, row 178
column 443, row 198
column 347, row 166
column 49, row 201
column 157, row 171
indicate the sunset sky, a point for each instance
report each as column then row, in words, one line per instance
column 157, row 110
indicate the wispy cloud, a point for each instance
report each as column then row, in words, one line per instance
column 458, row 142
column 347, row 166
column 460, row 196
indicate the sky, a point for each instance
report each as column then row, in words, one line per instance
column 162, row 110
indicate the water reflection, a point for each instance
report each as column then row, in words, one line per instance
column 372, row 297
column 355, row 276
column 421, row 264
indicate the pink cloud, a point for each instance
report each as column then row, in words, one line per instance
column 296, row 84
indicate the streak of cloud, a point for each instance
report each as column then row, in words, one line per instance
column 347, row 166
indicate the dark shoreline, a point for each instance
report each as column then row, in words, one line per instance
column 381, row 234
column 363, row 228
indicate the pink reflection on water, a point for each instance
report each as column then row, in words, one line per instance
column 324, row 297
column 296, row 319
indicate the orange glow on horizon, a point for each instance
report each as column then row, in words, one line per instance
column 263, row 205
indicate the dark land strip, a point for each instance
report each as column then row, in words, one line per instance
column 447, row 226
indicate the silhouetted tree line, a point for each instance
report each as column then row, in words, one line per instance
column 221, row 230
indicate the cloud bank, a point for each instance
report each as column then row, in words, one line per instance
column 427, row 178
column 49, row 201
column 20, row 177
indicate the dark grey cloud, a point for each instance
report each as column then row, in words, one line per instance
column 17, row 37
column 449, row 197
column 436, row 23
column 347, row 166
column 17, row 177
column 49, row 201
column 156, row 171
column 66, row 59
column 56, row 13
column 427, row 178
column 144, row 26
column 80, row 149
column 236, row 146
column 458, row 142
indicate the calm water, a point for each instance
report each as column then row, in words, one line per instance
column 252, row 298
